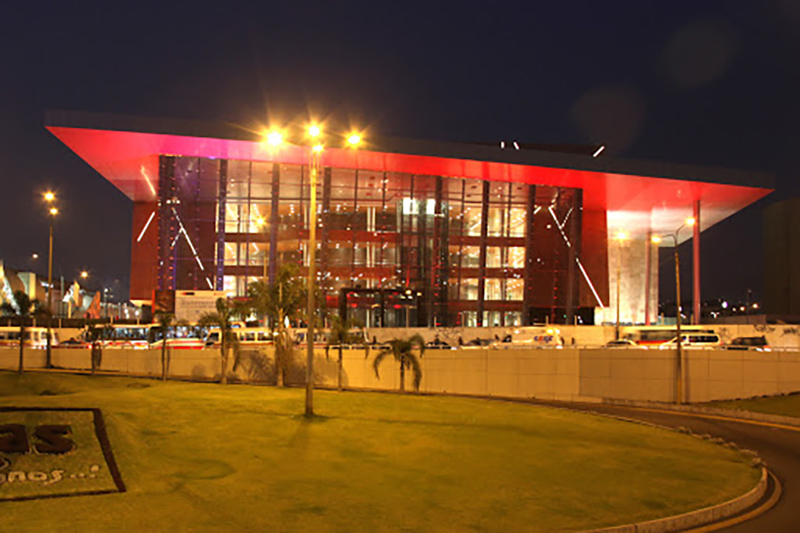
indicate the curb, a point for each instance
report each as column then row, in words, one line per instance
column 700, row 517
column 733, row 414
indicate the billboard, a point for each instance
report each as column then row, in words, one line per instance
column 191, row 305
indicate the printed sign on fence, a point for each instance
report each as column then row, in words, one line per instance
column 47, row 452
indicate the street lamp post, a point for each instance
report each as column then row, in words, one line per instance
column 679, row 355
column 50, row 197
column 314, row 151
column 621, row 236
column 313, row 164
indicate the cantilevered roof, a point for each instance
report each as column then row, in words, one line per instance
column 637, row 194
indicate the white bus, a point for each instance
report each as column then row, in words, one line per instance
column 35, row 337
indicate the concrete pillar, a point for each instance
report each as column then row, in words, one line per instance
column 696, row 265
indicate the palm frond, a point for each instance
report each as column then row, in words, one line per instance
column 413, row 362
column 382, row 354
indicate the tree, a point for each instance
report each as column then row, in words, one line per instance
column 403, row 352
column 223, row 318
column 24, row 308
column 341, row 332
column 165, row 321
column 280, row 302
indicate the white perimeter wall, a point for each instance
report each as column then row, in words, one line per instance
column 566, row 374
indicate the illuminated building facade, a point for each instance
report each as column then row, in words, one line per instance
column 409, row 232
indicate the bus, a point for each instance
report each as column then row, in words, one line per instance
column 35, row 337
column 147, row 336
column 260, row 336
column 247, row 337
column 136, row 336
column 657, row 335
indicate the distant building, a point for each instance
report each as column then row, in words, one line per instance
column 782, row 259
column 410, row 232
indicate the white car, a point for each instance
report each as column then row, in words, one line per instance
column 694, row 340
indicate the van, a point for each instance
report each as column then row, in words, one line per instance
column 694, row 340
column 530, row 338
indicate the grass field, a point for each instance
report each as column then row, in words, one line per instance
column 203, row 457
column 788, row 405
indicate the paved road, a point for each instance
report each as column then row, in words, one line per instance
column 780, row 448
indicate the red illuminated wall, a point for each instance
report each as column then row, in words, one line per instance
column 144, row 252
column 594, row 256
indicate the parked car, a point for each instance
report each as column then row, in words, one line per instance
column 438, row 344
column 694, row 340
column 623, row 343
column 477, row 343
column 758, row 344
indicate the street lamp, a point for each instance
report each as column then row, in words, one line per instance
column 621, row 237
column 679, row 355
column 50, row 197
column 314, row 148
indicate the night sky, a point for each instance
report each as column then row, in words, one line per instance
column 698, row 82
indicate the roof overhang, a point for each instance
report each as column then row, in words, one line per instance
column 637, row 195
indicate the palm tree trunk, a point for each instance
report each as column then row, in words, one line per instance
column 402, row 374
column 224, row 349
column 164, row 359
column 21, row 346
column 339, row 377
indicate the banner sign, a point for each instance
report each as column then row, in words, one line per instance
column 191, row 305
column 51, row 452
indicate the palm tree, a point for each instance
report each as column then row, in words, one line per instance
column 24, row 308
column 166, row 321
column 93, row 334
column 341, row 333
column 223, row 318
column 403, row 352
column 281, row 301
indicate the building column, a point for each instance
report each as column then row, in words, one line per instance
column 222, row 198
column 439, row 271
column 573, row 254
column 647, row 281
column 482, row 253
column 167, row 225
column 530, row 259
column 696, row 264
column 324, row 217
column 273, row 221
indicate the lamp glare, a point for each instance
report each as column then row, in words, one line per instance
column 274, row 138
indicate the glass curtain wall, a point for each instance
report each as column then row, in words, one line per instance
column 393, row 248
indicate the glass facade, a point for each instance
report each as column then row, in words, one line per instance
column 392, row 248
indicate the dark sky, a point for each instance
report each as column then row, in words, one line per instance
column 709, row 82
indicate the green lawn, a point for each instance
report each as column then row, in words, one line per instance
column 774, row 405
column 203, row 457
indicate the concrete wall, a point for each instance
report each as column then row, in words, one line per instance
column 564, row 374
column 631, row 256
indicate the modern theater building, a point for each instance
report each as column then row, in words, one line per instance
column 412, row 232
